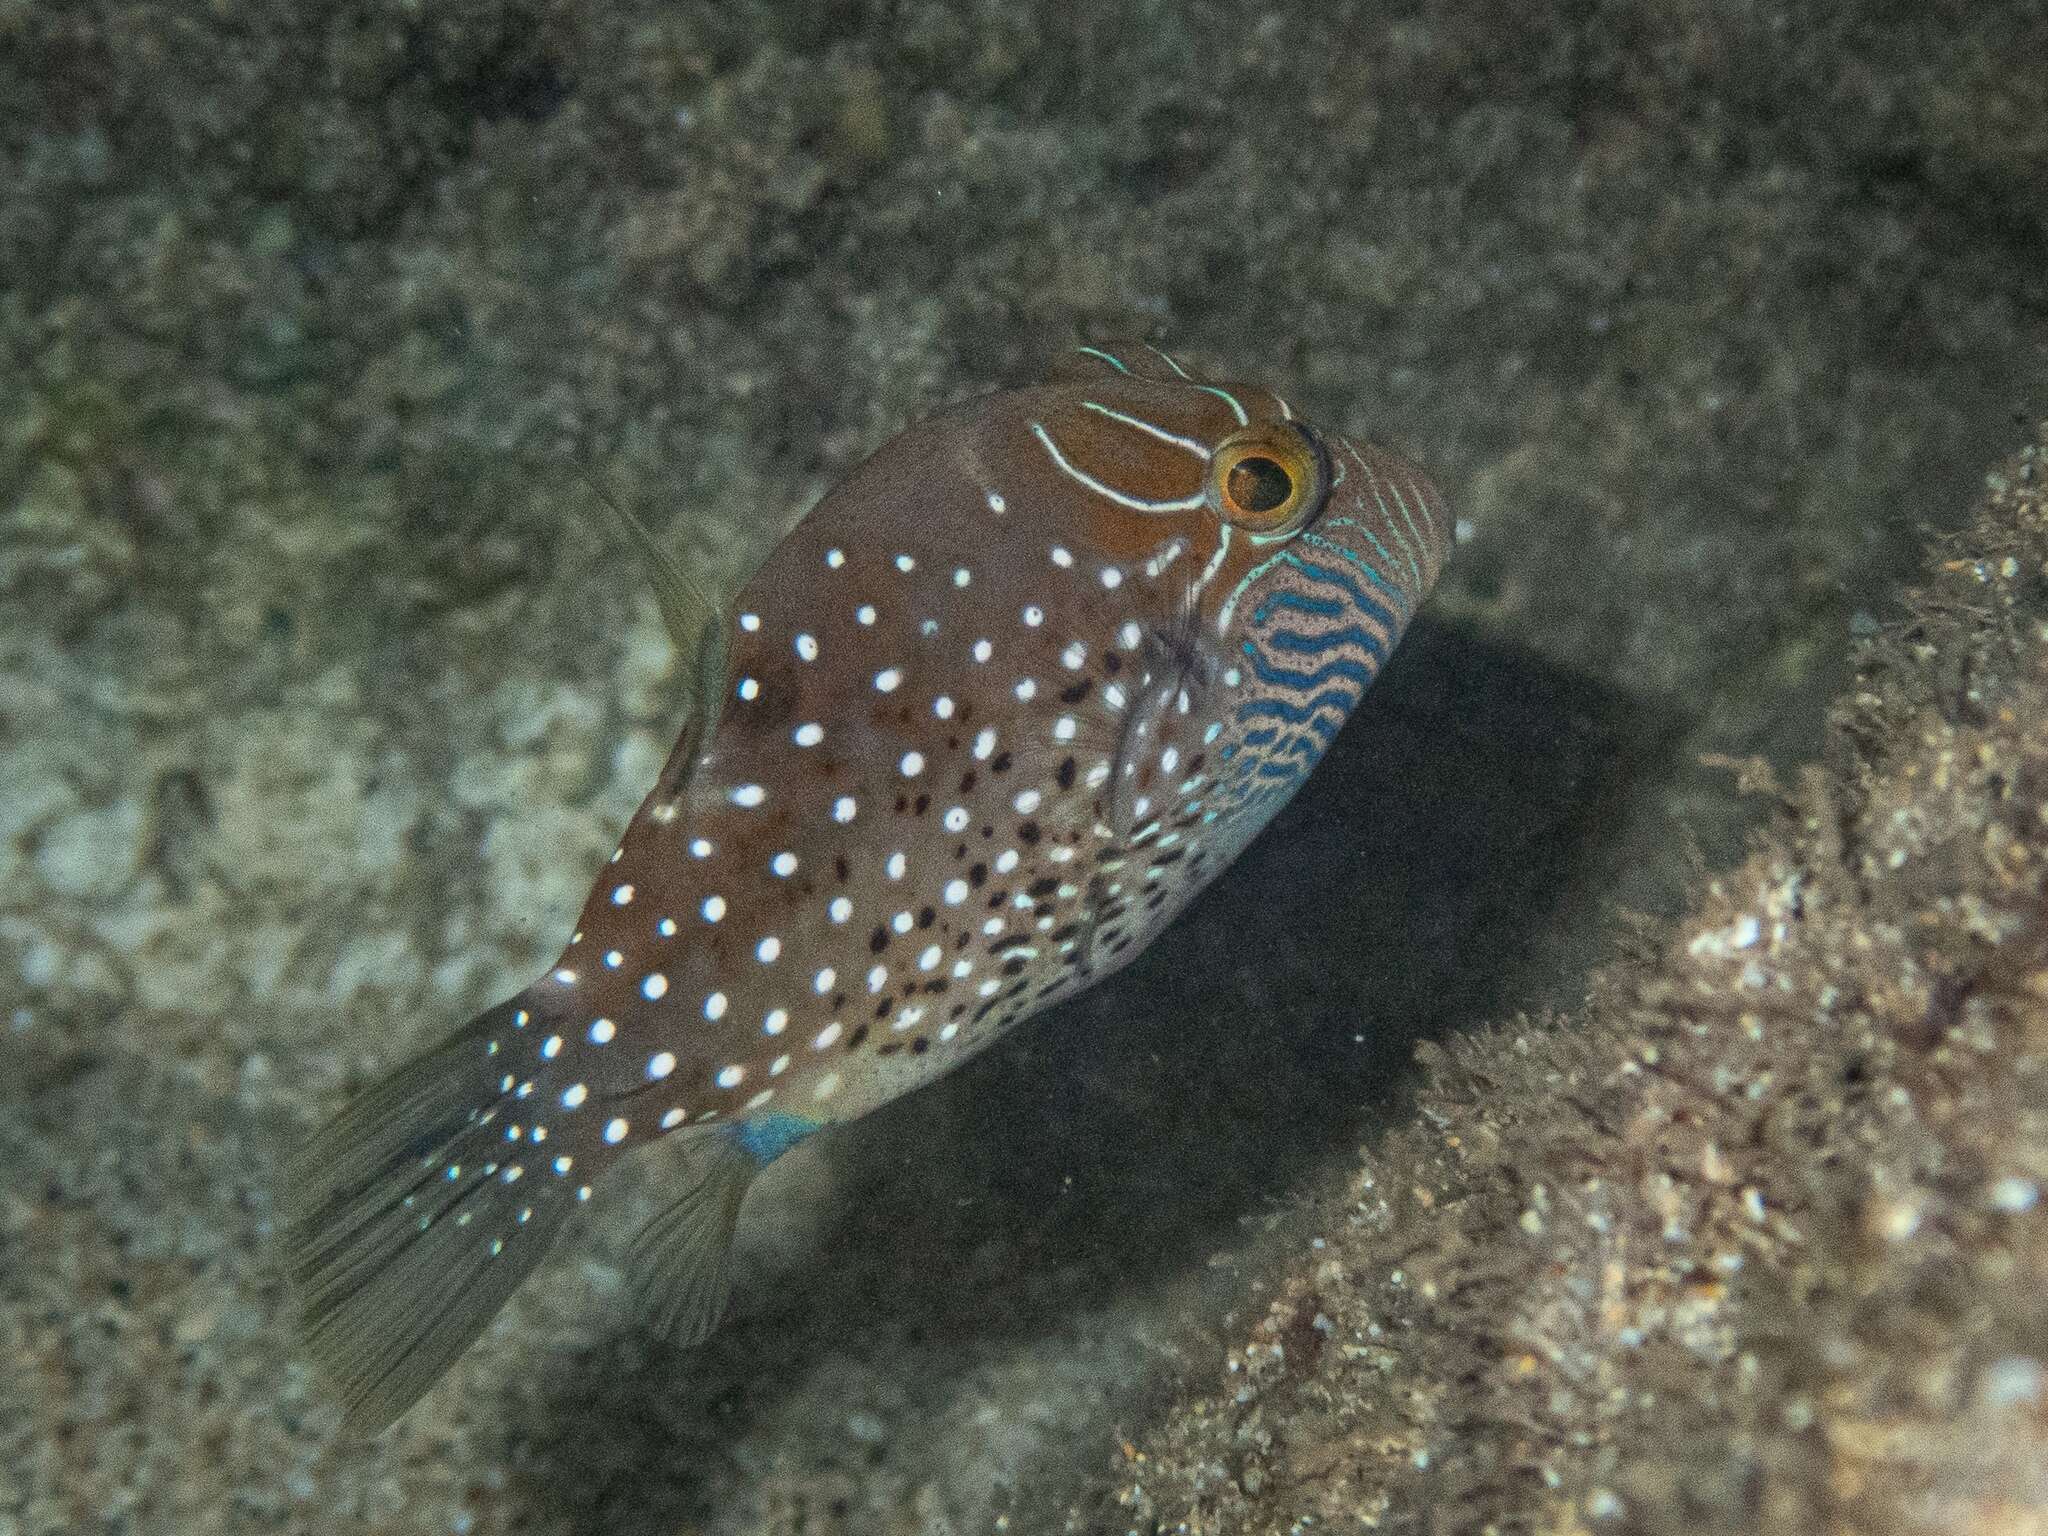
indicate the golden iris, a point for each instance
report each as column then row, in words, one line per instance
column 1269, row 477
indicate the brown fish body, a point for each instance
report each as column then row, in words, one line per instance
column 987, row 719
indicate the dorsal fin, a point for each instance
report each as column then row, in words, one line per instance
column 696, row 622
column 1125, row 357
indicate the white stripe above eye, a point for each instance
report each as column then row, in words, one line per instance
column 1114, row 362
column 1135, row 503
column 1169, row 359
column 1228, row 399
column 1199, row 450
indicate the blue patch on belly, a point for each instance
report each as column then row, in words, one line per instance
column 764, row 1138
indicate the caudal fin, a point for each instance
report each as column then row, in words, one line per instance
column 413, row 1215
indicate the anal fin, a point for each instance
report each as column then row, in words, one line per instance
column 680, row 1262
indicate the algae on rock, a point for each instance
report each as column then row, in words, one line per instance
column 1754, row 1240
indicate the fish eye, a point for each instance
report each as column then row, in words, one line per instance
column 1269, row 477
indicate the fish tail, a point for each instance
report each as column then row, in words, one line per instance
column 415, row 1213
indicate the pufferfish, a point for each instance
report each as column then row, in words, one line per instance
column 981, row 725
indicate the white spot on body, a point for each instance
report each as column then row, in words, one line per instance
column 748, row 795
column 889, row 679
column 807, row 647
column 767, row 950
column 784, row 864
column 713, row 908
column 603, row 1031
column 661, row 1064
column 714, row 1007
column 983, row 650
column 809, row 734
column 615, row 1130
column 843, row 809
column 865, row 613
column 654, row 987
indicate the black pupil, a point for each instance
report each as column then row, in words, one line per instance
column 1258, row 484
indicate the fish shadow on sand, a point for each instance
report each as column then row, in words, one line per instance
column 1123, row 1138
